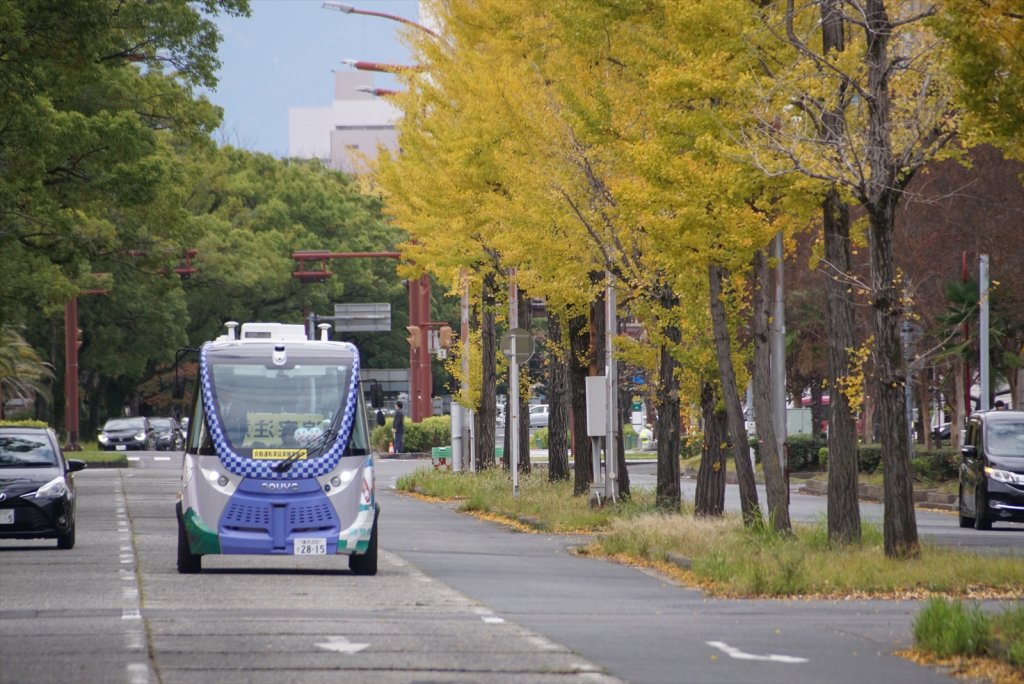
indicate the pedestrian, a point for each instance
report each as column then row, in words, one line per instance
column 399, row 425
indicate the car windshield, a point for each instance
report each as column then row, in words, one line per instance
column 25, row 450
column 1005, row 438
column 265, row 407
column 124, row 424
column 163, row 424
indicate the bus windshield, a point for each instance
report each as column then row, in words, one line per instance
column 263, row 406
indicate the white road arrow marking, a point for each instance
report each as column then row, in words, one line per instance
column 736, row 653
column 342, row 645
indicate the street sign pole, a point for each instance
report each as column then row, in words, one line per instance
column 517, row 346
column 513, row 385
column 513, row 401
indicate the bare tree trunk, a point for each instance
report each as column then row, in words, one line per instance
column 899, row 519
column 843, row 506
column 741, row 449
column 579, row 351
column 622, row 473
column 774, row 478
column 882, row 194
column 1017, row 389
column 924, row 405
column 817, row 409
column 487, row 413
column 709, row 499
column 666, row 430
column 959, row 417
column 843, row 479
column 868, row 412
column 558, row 401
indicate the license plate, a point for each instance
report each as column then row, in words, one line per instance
column 310, row 546
column 121, row 447
column 7, row 517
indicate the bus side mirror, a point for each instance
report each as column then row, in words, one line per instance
column 376, row 395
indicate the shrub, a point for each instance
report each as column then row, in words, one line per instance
column 936, row 465
column 869, row 457
column 380, row 437
column 539, row 439
column 421, row 437
column 803, row 452
column 823, row 457
column 28, row 422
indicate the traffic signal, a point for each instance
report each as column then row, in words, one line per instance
column 446, row 336
column 414, row 336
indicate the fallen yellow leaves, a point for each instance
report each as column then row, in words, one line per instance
column 975, row 669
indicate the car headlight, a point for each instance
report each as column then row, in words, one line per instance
column 141, row 436
column 54, row 489
column 1004, row 476
column 103, row 438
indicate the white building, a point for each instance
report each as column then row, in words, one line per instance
column 347, row 133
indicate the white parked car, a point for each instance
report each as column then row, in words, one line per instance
column 539, row 416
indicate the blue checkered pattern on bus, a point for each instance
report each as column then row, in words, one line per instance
column 247, row 467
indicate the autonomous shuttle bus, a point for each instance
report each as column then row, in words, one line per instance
column 278, row 454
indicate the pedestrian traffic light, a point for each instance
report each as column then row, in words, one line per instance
column 414, row 336
column 446, row 336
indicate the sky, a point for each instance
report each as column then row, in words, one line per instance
column 284, row 56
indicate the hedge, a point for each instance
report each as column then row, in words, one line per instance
column 29, row 422
column 803, row 451
column 419, row 437
column 934, row 465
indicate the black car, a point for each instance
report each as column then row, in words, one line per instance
column 37, row 488
column 124, row 434
column 168, row 434
column 992, row 469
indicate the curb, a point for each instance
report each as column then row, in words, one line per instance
column 923, row 497
column 408, row 456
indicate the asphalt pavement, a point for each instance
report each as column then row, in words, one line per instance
column 456, row 600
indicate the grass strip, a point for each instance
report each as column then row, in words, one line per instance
column 961, row 634
column 723, row 556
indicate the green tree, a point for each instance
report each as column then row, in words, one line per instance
column 89, row 90
column 23, row 373
column 983, row 51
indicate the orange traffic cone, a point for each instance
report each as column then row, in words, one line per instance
column 391, row 447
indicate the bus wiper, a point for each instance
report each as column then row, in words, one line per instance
column 317, row 444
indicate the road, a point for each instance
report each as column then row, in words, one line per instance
column 456, row 600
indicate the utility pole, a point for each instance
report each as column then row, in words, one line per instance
column 983, row 331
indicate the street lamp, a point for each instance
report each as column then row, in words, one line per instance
column 380, row 66
column 376, row 92
column 349, row 9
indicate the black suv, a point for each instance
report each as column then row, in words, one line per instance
column 123, row 434
column 168, row 434
column 37, row 488
column 992, row 469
